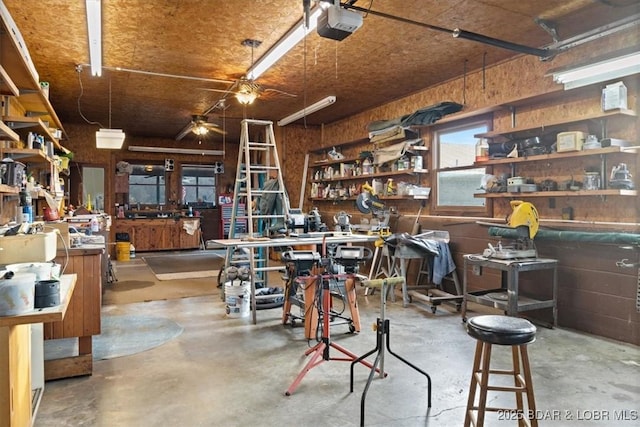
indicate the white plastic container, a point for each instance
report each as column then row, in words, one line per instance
column 237, row 296
column 42, row 270
column 17, row 294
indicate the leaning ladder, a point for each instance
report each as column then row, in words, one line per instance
column 258, row 162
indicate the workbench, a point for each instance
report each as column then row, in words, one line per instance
column 314, row 239
column 508, row 297
column 18, row 402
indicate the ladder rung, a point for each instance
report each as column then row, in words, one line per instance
column 258, row 122
column 273, row 268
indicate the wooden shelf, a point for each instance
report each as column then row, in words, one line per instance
column 565, row 193
column 7, row 87
column 408, row 172
column 31, row 122
column 556, row 123
column 9, row 189
column 24, row 77
column 7, row 133
column 341, row 145
column 557, row 156
column 27, row 155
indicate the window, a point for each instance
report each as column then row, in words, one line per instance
column 456, row 179
column 147, row 185
column 199, row 185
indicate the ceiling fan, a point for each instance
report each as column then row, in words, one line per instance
column 200, row 126
column 247, row 90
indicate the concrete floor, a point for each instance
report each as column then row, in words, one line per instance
column 228, row 372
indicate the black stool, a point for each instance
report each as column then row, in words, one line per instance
column 501, row 330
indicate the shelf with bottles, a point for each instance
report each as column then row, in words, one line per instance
column 349, row 169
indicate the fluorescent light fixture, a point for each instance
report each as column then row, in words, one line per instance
column 307, row 110
column 110, row 138
column 286, row 43
column 613, row 68
column 94, row 29
column 169, row 150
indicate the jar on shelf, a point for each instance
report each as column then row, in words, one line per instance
column 482, row 150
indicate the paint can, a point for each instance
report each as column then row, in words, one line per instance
column 237, row 297
column 123, row 251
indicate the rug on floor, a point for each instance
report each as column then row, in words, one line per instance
column 121, row 335
column 186, row 266
column 137, row 283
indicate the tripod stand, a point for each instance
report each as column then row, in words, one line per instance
column 320, row 352
column 382, row 335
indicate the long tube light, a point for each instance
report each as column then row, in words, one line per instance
column 307, row 110
column 286, row 43
column 614, row 68
column 170, row 150
column 94, row 30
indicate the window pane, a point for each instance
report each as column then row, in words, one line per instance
column 147, row 185
column 456, row 188
column 456, row 148
column 198, row 185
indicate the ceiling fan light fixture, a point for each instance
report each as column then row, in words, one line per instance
column 200, row 130
column 246, row 98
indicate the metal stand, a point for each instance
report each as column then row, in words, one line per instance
column 320, row 352
column 382, row 335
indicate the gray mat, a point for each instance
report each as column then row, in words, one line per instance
column 184, row 265
column 122, row 335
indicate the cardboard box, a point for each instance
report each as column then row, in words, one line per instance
column 570, row 141
column 614, row 96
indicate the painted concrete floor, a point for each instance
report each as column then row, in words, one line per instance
column 228, row 372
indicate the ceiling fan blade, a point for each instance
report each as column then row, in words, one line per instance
column 218, row 130
column 217, row 90
column 280, row 92
column 184, row 132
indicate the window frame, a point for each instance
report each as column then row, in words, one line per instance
column 214, row 175
column 161, row 196
column 458, row 210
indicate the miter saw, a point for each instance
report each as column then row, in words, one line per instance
column 524, row 220
column 369, row 202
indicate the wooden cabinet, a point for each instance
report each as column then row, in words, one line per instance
column 82, row 320
column 157, row 234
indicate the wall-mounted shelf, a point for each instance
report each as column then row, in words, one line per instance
column 7, row 87
column 564, row 193
column 557, row 123
column 26, row 155
column 31, row 122
column 408, row 172
column 7, row 133
column 8, row 189
column 558, row 156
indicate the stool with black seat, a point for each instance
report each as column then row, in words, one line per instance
column 382, row 339
column 505, row 331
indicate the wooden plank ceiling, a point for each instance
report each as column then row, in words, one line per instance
column 384, row 60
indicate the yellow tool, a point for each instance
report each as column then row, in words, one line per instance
column 524, row 215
